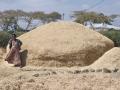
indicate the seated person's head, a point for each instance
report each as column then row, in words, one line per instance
column 13, row 36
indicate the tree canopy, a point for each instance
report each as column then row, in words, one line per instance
column 9, row 18
column 83, row 16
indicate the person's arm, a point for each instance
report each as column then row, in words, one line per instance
column 19, row 43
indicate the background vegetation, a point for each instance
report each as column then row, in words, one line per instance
column 5, row 36
column 114, row 35
column 9, row 22
column 93, row 17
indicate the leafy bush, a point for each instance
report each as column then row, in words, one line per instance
column 18, row 33
column 5, row 36
column 114, row 35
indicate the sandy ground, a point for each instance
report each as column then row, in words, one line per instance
column 40, row 78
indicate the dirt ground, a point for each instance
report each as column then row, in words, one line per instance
column 34, row 78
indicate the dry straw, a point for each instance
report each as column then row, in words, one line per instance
column 64, row 44
column 110, row 59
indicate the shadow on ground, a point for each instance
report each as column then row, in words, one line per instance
column 24, row 57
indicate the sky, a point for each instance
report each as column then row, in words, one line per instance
column 63, row 6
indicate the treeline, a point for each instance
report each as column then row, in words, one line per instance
column 10, row 22
column 93, row 17
column 9, row 19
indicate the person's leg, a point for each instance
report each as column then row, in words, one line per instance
column 10, row 55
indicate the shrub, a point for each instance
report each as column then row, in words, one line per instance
column 4, row 38
column 114, row 35
column 18, row 33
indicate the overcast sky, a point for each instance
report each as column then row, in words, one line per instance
column 62, row 6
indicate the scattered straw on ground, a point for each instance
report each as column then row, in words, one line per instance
column 35, row 78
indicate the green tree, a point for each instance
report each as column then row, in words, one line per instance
column 46, row 18
column 9, row 19
column 82, row 17
column 40, row 16
column 54, row 16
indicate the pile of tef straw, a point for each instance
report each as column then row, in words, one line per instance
column 64, row 44
column 110, row 60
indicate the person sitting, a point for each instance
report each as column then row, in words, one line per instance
column 13, row 56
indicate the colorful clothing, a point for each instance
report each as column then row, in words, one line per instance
column 13, row 56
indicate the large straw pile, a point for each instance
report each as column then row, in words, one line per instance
column 110, row 59
column 64, row 44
